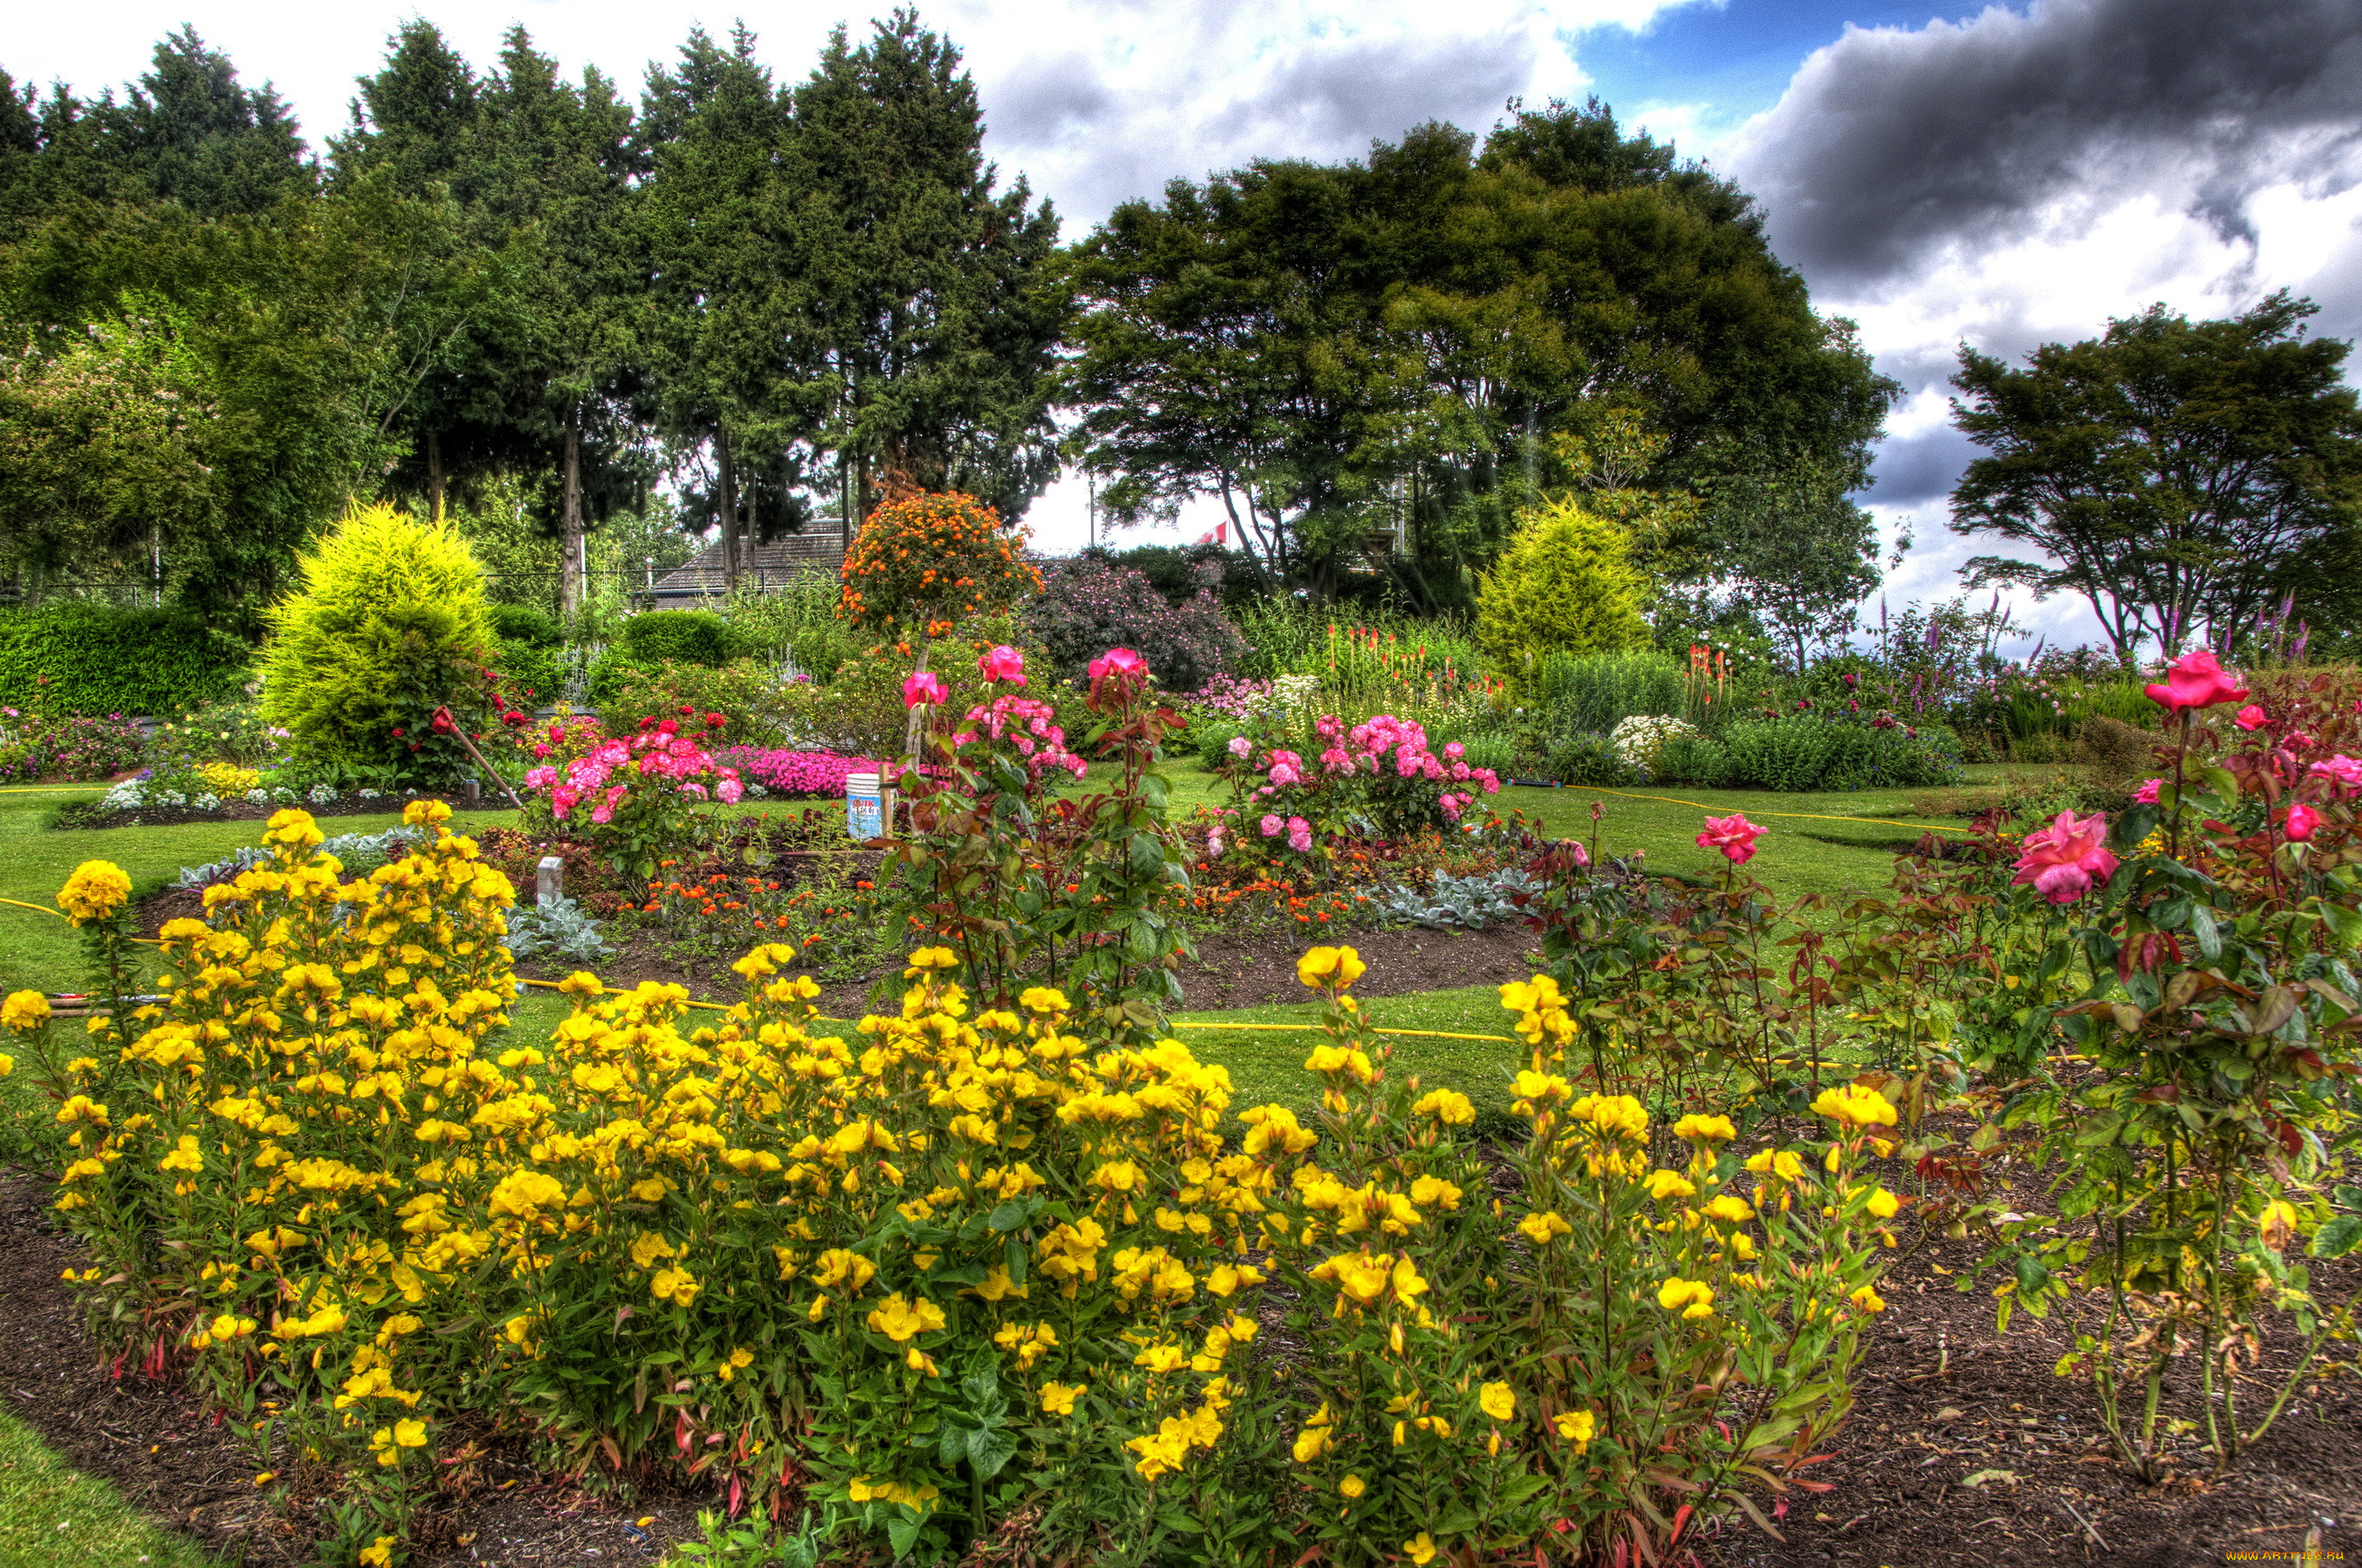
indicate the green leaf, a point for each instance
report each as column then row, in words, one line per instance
column 2339, row 1237
column 1456, row 1520
column 1180, row 1524
column 902, row 1531
column 1523, row 1487
column 2210, row 935
column 1145, row 858
column 1009, row 1216
column 990, row 1448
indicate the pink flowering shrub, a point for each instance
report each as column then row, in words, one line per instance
column 1379, row 779
column 639, row 793
column 815, row 773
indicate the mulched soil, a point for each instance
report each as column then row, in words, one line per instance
column 1230, row 971
column 86, row 815
column 177, row 1463
column 1942, row 1400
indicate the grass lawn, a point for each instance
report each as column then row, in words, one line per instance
column 53, row 1514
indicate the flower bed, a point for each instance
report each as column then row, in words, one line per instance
column 793, row 773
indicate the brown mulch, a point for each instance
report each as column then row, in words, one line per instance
column 180, row 1465
column 1230, row 971
column 1942, row 1400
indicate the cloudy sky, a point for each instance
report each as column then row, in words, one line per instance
column 2001, row 175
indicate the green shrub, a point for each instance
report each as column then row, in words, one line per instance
column 389, row 625
column 1806, row 753
column 1584, row 758
column 524, row 624
column 73, row 657
column 745, row 692
column 1565, row 584
column 1596, row 692
column 684, row 636
column 532, row 672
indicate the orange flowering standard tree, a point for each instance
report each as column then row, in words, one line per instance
column 924, row 562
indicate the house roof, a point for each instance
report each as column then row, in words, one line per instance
column 766, row 566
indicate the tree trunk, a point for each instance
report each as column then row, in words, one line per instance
column 753, row 530
column 434, row 476
column 569, row 549
column 729, row 515
column 911, row 725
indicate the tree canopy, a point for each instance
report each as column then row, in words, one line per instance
column 1397, row 343
column 2175, row 473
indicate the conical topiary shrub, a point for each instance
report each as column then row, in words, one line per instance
column 389, row 625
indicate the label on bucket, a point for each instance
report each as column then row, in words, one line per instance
column 865, row 807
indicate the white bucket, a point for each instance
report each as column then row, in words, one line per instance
column 869, row 808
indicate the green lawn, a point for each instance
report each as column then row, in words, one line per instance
column 53, row 1514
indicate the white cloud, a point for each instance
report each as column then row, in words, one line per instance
column 2021, row 178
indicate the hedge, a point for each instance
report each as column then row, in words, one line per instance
column 74, row 657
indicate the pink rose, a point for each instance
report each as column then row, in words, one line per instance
column 1214, row 843
column 1003, row 663
column 2344, row 770
column 1283, row 775
column 1299, row 834
column 2147, row 794
column 2063, row 861
column 730, row 790
column 1271, row 825
column 1733, row 836
column 2251, row 718
column 2300, row 822
column 1240, row 747
column 1454, row 750
column 1118, row 661
column 2193, row 680
column 923, row 690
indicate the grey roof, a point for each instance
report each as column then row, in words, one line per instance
column 766, row 566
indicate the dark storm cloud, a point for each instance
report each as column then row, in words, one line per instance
column 1048, row 98
column 1891, row 144
column 1914, row 469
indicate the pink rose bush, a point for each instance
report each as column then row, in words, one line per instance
column 1379, row 777
column 638, row 792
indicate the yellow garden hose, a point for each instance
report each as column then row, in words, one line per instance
column 1798, row 816
column 1407, row 1034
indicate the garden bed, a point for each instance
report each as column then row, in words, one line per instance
column 76, row 816
column 1230, row 971
column 180, row 1465
column 1941, row 1400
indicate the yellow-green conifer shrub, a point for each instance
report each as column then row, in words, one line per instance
column 390, row 626
column 1566, row 584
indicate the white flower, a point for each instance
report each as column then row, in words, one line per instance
column 1638, row 740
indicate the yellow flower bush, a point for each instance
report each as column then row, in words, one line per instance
column 882, row 1265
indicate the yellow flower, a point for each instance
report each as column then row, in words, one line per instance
column 410, row 1433
column 674, row 1284
column 24, row 1011
column 1543, row 1228
column 1867, row 1299
column 1690, row 1297
column 1854, row 1106
column 378, row 1553
column 523, row 1193
column 1058, row 1398
column 1326, row 966
column 1577, row 1427
column 1614, row 1114
column 1781, row 1163
column 1497, row 1401
column 930, row 959
column 1883, row 1204
column 95, row 890
column 1447, row 1106
column 1670, row 1184
column 850, row 1269
column 1419, row 1549
column 1730, row 1209
column 902, row 1320
column 1706, row 1129
column 1316, row 1437
column 1352, row 1486
column 739, row 1360
column 648, row 1248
